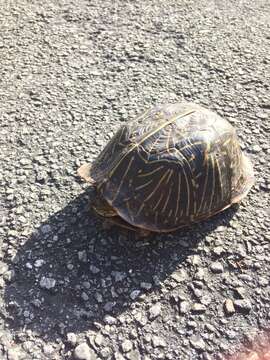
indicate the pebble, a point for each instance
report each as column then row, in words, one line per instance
column 200, row 274
column 99, row 340
column 210, row 327
column 127, row 346
column 109, row 306
column 71, row 338
column 218, row 250
column 48, row 349
column 25, row 161
column 39, row 262
column 154, row 311
column 47, row 283
column 134, row 294
column 158, row 341
column 110, row 320
column 217, row 267
column 134, row 355
column 82, row 256
column 13, row 354
column 240, row 292
column 46, row 229
column 118, row 356
column 146, row 286
column 179, row 276
column 3, row 268
column 198, row 308
column 229, row 307
column 118, row 275
column 94, row 269
column 84, row 296
column 243, row 305
column 197, row 343
column 184, row 307
column 255, row 149
column 83, row 352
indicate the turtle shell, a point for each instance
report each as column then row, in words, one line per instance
column 173, row 165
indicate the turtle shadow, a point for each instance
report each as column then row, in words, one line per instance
column 70, row 273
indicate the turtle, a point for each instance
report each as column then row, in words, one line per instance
column 172, row 166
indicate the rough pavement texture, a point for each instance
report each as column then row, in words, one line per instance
column 71, row 72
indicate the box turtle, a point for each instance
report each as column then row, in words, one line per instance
column 174, row 165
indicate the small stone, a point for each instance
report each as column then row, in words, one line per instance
column 207, row 356
column 82, row 256
column 83, row 352
column 98, row 297
column 141, row 319
column 70, row 266
column 184, row 307
column 84, row 296
column 210, row 327
column 179, row 276
column 134, row 355
column 218, row 250
column 99, row 340
column 146, row 286
column 243, row 305
column 198, row 308
column 109, row 306
column 118, row 356
column 240, row 292
column 47, row 283
column 109, row 320
column 154, row 311
column 29, row 266
column 263, row 281
column 105, row 353
column 200, row 274
column 25, row 161
column 255, row 149
column 192, row 324
column 134, row 294
column 118, row 276
column 86, row 285
column 197, row 343
column 72, row 338
column 158, row 341
column 217, row 267
column 3, row 268
column 127, row 346
column 13, row 354
column 46, row 229
column 94, row 269
column 48, row 349
column 229, row 307
column 38, row 263
column 221, row 228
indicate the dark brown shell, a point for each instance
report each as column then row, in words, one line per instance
column 174, row 165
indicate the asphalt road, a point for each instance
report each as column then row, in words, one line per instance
column 70, row 73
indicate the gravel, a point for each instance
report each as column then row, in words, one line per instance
column 71, row 73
